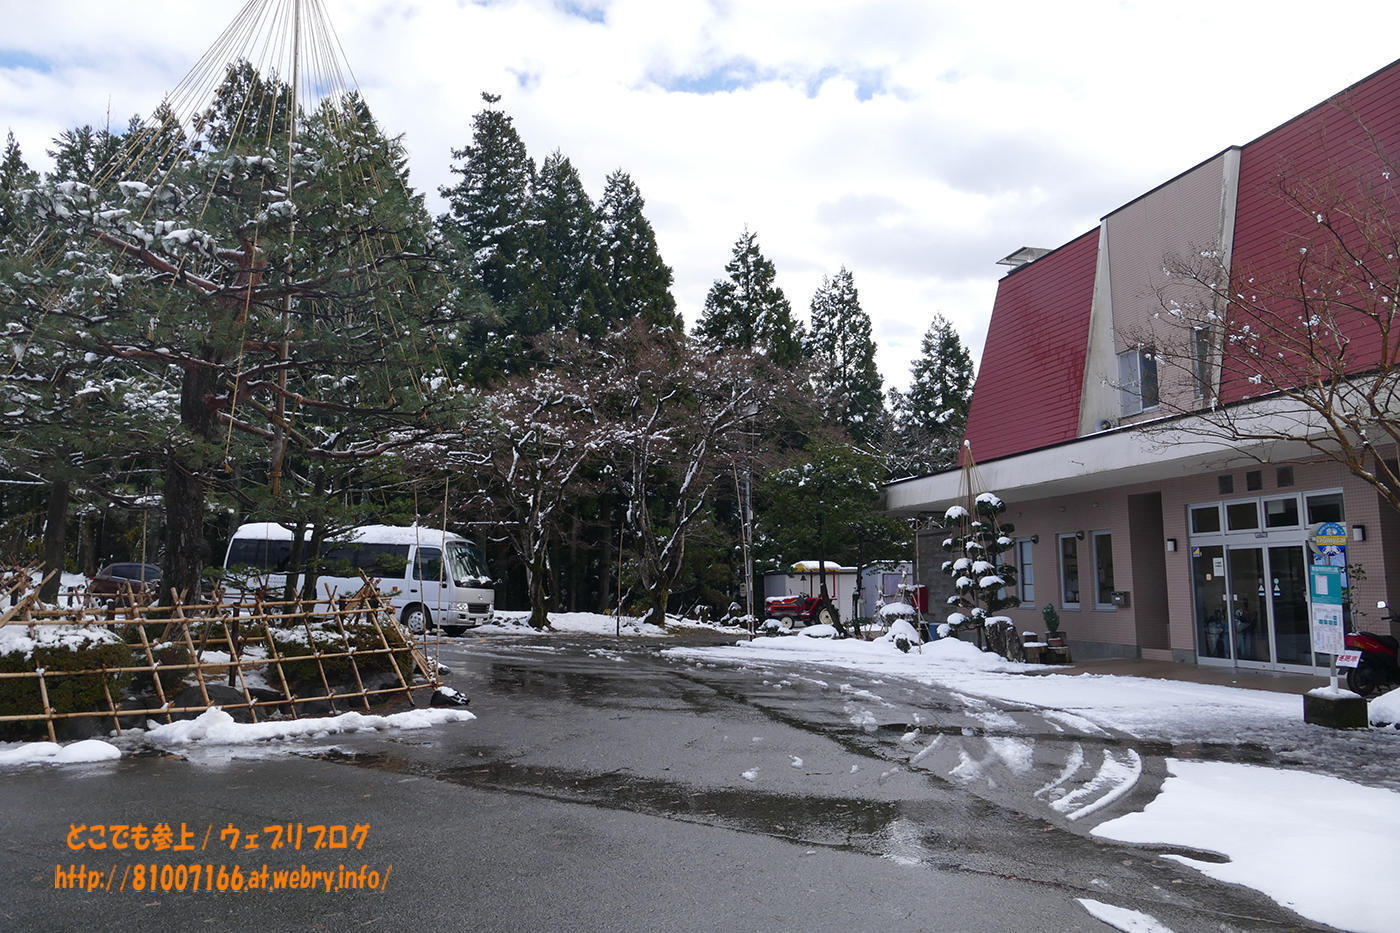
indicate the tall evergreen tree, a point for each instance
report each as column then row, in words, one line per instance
column 226, row 323
column 638, row 282
column 847, row 380
column 489, row 208
column 81, row 153
column 748, row 311
column 566, row 252
column 15, row 176
column 931, row 416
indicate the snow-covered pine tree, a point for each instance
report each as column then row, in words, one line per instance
column 15, row 176
column 637, row 280
column 489, row 208
column 153, row 300
column 842, row 352
column 983, row 582
column 748, row 311
column 930, row 417
column 566, row 250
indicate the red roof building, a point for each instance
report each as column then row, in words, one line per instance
column 1147, row 403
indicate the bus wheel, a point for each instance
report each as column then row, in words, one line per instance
column 416, row 619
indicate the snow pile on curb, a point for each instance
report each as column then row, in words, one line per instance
column 51, row 753
column 217, row 727
column 1384, row 710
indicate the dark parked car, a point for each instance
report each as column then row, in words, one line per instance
column 113, row 580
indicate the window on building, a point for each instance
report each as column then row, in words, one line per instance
column 1137, row 377
column 1225, row 484
column 1200, row 361
column 1025, row 571
column 1281, row 513
column 1254, row 480
column 1205, row 519
column 1103, row 570
column 1069, row 571
column 1242, row 516
column 1284, row 477
column 1325, row 507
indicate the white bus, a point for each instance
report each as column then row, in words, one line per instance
column 426, row 589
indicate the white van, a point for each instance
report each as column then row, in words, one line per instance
column 426, row 590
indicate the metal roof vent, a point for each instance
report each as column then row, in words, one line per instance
column 1022, row 256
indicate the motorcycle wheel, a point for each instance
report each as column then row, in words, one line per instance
column 1364, row 679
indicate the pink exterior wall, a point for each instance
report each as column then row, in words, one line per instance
column 1107, row 510
column 1028, row 388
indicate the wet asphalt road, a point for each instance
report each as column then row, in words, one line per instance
column 606, row 787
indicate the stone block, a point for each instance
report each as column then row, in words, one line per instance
column 1335, row 708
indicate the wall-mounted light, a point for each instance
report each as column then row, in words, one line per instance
column 1035, row 539
column 1079, row 535
column 1358, row 532
column 1171, row 544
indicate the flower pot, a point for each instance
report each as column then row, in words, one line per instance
column 1054, row 639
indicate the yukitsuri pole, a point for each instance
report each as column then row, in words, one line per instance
column 336, row 611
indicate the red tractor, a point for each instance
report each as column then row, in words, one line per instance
column 797, row 609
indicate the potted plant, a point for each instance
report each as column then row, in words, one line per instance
column 1053, row 638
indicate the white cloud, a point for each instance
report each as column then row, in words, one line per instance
column 913, row 142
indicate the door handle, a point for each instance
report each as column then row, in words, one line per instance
column 412, row 590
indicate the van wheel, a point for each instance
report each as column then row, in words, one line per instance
column 416, row 619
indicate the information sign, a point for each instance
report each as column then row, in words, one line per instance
column 1325, row 584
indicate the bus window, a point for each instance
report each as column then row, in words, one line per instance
column 386, row 561
column 428, row 565
column 258, row 555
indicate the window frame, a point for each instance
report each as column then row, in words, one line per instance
column 1093, row 537
column 1060, row 540
column 1025, row 570
column 1132, row 397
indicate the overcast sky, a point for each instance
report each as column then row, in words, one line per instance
column 913, row 142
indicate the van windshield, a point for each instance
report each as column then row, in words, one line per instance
column 468, row 565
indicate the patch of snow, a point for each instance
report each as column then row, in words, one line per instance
column 750, row 775
column 1121, row 918
column 1384, row 710
column 217, row 727
column 1237, row 810
column 88, row 750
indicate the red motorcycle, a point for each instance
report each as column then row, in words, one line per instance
column 1376, row 667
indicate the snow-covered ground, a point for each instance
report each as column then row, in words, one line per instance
column 509, row 622
column 1313, row 842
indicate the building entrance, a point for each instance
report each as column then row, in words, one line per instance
column 1252, row 606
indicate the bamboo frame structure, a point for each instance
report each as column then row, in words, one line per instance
column 256, row 635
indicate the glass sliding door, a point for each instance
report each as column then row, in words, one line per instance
column 1212, row 602
column 1249, row 621
column 1288, row 581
